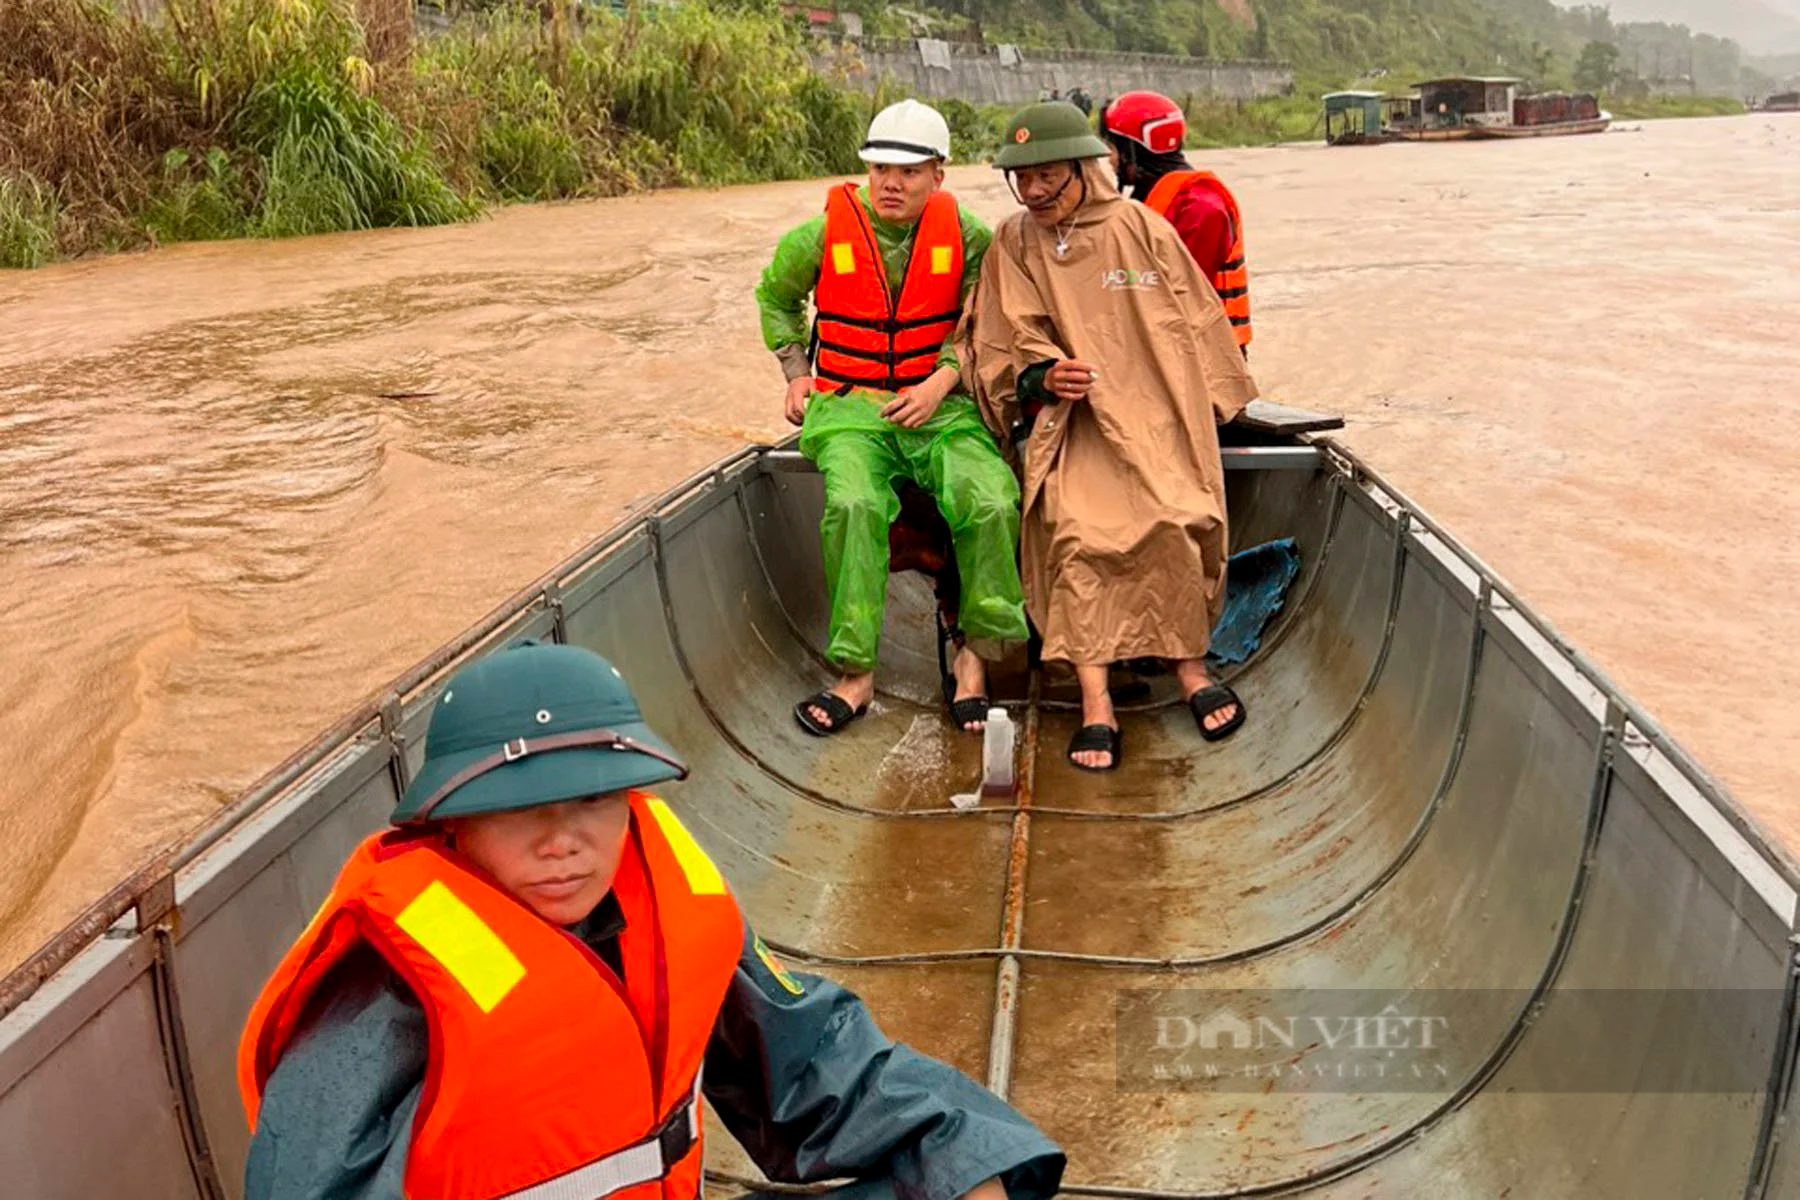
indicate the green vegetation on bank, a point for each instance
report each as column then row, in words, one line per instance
column 27, row 222
column 230, row 118
column 1645, row 108
column 1213, row 123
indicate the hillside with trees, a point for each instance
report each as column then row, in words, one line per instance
column 1335, row 41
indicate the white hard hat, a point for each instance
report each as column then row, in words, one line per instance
column 906, row 133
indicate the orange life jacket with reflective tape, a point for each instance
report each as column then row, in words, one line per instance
column 865, row 336
column 1232, row 281
column 548, row 1076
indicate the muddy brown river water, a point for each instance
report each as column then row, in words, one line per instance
column 242, row 485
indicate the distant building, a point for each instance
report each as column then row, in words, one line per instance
column 1352, row 117
column 1468, row 100
column 823, row 22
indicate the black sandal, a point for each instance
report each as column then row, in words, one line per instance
column 1209, row 700
column 1097, row 737
column 962, row 712
column 835, row 706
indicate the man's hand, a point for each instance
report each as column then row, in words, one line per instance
column 799, row 392
column 1071, row 379
column 993, row 1189
column 914, row 406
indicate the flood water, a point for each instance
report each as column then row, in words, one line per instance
column 243, row 485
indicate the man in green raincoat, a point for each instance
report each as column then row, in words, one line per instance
column 874, row 386
column 525, row 989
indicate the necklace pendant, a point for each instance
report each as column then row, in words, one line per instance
column 1062, row 249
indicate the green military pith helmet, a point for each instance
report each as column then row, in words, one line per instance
column 1053, row 131
column 533, row 725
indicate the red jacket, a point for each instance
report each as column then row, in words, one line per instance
column 1204, row 223
column 1230, row 279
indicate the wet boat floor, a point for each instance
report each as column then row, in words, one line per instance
column 1193, row 866
column 1401, row 817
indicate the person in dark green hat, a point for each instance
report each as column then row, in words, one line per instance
column 524, row 989
column 1092, row 328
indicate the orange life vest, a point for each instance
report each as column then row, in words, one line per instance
column 1232, row 281
column 548, row 1075
column 865, row 338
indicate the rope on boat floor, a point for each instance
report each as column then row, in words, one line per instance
column 767, row 1188
column 1012, row 953
column 1003, row 1030
column 1352, row 1164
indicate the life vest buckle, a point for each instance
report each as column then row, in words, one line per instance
column 514, row 750
column 676, row 1138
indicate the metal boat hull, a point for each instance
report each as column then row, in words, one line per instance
column 1433, row 800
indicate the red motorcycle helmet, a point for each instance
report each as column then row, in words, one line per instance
column 1150, row 119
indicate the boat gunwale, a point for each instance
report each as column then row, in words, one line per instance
column 1746, row 824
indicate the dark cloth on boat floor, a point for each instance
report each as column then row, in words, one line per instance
column 1256, row 586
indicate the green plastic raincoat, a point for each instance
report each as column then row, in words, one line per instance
column 862, row 455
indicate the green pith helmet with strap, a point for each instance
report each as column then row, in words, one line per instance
column 533, row 725
column 1053, row 131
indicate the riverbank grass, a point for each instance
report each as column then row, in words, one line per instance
column 268, row 118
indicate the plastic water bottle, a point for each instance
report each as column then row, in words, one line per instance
column 997, row 742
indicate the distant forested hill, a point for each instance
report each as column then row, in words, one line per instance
column 1339, row 40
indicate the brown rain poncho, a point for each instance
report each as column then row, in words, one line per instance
column 1122, row 543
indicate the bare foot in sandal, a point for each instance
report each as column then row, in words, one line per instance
column 964, row 678
column 971, row 691
column 1096, row 709
column 1223, row 713
column 854, row 690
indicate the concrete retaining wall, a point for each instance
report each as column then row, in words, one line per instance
column 977, row 73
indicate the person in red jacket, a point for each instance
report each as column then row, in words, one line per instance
column 1144, row 132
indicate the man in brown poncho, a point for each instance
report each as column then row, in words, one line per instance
column 1092, row 326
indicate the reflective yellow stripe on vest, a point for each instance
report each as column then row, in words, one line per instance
column 449, row 931
column 703, row 878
